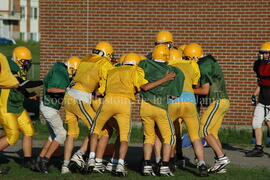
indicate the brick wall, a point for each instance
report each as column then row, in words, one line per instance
column 231, row 30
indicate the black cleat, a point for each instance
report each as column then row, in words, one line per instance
column 203, row 171
column 29, row 163
column 147, row 168
column 44, row 165
column 172, row 165
column 4, row 170
column 257, row 151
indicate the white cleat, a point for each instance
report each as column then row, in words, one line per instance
column 120, row 170
column 90, row 165
column 78, row 161
column 220, row 164
column 99, row 168
column 65, row 170
column 148, row 171
column 110, row 167
column 165, row 171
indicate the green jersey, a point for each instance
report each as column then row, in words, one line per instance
column 57, row 77
column 211, row 73
column 15, row 98
column 159, row 95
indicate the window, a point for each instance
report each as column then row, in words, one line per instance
column 22, row 36
column 33, row 36
column 22, row 12
column 34, row 12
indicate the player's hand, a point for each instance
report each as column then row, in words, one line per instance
column 169, row 76
column 253, row 100
column 173, row 97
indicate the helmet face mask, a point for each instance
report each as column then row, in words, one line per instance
column 104, row 49
column 192, row 52
column 25, row 64
column 264, row 55
column 264, row 51
column 72, row 65
column 23, row 57
column 168, row 44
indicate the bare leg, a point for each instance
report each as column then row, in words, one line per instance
column 258, row 136
column 27, row 146
column 123, row 149
column 211, row 140
column 198, row 149
column 3, row 143
column 68, row 147
column 101, row 146
column 53, row 147
column 147, row 148
column 166, row 152
column 93, row 142
column 116, row 148
column 157, row 148
column 45, row 148
column 85, row 144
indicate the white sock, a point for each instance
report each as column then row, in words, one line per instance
column 158, row 159
column 92, row 155
column 201, row 162
column 80, row 153
column 98, row 160
column 66, row 162
column 121, row 161
column 114, row 161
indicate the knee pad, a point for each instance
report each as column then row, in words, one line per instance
column 193, row 137
column 201, row 134
column 149, row 140
column 61, row 136
column 106, row 133
column 256, row 124
column 73, row 130
column 124, row 137
column 169, row 139
column 28, row 131
column 12, row 137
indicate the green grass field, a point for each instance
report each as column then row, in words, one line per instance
column 184, row 174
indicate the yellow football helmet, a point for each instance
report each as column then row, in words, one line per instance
column 181, row 49
column 193, row 51
column 73, row 64
column 174, row 55
column 161, row 52
column 121, row 60
column 164, row 37
column 265, row 47
column 22, row 56
column 143, row 57
column 104, row 48
column 264, row 52
column 132, row 58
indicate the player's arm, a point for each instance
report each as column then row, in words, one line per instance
column 203, row 89
column 257, row 91
column 255, row 94
column 9, row 87
column 56, row 90
column 168, row 77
